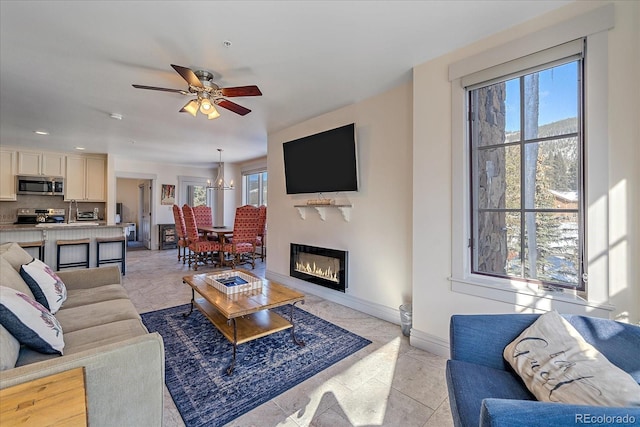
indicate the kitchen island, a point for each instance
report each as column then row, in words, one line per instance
column 49, row 233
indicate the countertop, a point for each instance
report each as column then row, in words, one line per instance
column 61, row 226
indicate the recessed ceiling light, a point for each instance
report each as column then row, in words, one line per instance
column 227, row 43
column 80, row 148
column 116, row 116
column 41, row 132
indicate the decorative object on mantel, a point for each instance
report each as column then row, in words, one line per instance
column 168, row 195
column 321, row 202
column 345, row 210
column 196, row 362
column 220, row 183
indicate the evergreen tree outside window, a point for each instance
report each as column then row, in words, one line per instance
column 526, row 145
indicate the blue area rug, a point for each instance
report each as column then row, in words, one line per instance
column 197, row 356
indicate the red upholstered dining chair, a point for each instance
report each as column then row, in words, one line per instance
column 204, row 217
column 202, row 250
column 181, row 231
column 245, row 233
column 261, row 241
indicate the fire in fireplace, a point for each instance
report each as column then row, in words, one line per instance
column 322, row 266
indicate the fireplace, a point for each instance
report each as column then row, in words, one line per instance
column 322, row 266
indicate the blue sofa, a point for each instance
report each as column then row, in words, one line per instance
column 485, row 391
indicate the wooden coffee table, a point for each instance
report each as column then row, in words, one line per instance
column 244, row 316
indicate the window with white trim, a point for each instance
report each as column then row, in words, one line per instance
column 255, row 188
column 526, row 144
column 587, row 32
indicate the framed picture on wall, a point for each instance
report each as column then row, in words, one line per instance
column 168, row 196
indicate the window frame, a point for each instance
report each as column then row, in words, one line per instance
column 522, row 143
column 261, row 185
column 184, row 184
column 593, row 26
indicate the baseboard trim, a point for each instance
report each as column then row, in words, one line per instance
column 376, row 310
column 430, row 343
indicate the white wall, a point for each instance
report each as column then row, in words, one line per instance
column 433, row 300
column 378, row 236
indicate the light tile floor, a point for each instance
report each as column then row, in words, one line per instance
column 388, row 383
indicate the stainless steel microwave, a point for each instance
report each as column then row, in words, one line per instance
column 43, row 185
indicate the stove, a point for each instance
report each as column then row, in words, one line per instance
column 35, row 216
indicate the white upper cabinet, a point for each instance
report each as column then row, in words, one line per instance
column 85, row 179
column 38, row 163
column 7, row 175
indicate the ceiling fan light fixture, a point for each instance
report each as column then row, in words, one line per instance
column 205, row 106
column 207, row 93
column 213, row 113
column 192, row 107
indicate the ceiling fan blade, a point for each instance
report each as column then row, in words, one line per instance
column 232, row 106
column 163, row 89
column 241, row 91
column 188, row 75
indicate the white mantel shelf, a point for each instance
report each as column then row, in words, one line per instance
column 345, row 210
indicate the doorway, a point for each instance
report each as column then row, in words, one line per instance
column 133, row 201
column 144, row 219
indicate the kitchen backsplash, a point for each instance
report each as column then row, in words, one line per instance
column 8, row 210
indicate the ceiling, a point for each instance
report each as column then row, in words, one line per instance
column 65, row 66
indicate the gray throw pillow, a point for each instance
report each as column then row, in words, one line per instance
column 558, row 365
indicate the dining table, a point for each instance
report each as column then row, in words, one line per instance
column 222, row 232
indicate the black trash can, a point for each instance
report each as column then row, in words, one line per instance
column 406, row 316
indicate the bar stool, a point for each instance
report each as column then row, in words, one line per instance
column 68, row 243
column 104, row 240
column 39, row 244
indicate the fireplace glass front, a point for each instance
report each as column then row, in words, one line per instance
column 322, row 266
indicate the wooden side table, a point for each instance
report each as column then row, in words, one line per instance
column 56, row 400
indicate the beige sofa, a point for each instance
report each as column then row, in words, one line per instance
column 103, row 332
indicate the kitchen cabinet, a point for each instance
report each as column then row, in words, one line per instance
column 85, row 179
column 40, row 163
column 7, row 175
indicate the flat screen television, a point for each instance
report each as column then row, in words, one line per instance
column 322, row 163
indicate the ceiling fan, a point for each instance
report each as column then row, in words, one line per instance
column 208, row 94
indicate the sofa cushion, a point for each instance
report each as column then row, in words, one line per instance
column 519, row 413
column 470, row 383
column 558, row 365
column 29, row 322
column 80, row 297
column 15, row 255
column 46, row 286
column 10, row 278
column 9, row 349
column 100, row 313
column 100, row 335
column 89, row 338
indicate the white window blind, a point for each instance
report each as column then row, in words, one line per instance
column 547, row 58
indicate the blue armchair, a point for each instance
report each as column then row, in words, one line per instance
column 484, row 390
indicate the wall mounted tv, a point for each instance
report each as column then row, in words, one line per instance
column 322, row 163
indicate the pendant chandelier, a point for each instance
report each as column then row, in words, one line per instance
column 220, row 183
